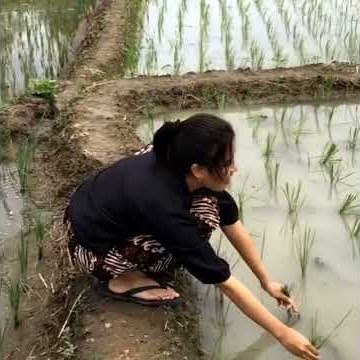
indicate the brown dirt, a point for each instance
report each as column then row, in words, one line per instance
column 97, row 125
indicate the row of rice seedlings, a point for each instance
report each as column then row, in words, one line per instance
column 294, row 198
column 25, row 155
column 151, row 59
column 204, row 34
column 319, row 341
column 350, row 205
column 304, row 245
column 12, row 288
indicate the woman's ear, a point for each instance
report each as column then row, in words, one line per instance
column 197, row 171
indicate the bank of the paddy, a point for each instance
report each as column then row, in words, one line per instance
column 96, row 125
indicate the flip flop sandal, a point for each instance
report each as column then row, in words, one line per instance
column 127, row 296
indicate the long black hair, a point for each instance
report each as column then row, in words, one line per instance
column 202, row 139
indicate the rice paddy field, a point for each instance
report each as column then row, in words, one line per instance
column 293, row 194
column 298, row 185
column 35, row 38
column 181, row 36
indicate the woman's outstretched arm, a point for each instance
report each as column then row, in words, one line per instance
column 251, row 307
column 246, row 247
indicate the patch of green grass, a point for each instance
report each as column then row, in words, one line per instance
column 45, row 88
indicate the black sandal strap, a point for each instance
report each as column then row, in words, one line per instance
column 141, row 289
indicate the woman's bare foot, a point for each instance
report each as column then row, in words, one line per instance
column 135, row 279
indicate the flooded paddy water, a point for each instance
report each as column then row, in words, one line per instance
column 181, row 35
column 35, row 40
column 330, row 287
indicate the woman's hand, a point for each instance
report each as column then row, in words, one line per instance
column 274, row 289
column 298, row 345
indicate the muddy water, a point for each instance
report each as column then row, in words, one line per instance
column 182, row 35
column 331, row 286
column 35, row 40
column 11, row 221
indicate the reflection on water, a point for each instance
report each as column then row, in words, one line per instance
column 331, row 287
column 34, row 40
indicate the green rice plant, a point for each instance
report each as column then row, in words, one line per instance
column 204, row 33
column 2, row 342
column 350, row 205
column 151, row 57
column 23, row 255
column 329, row 153
column 177, row 59
column 319, row 341
column 25, row 156
column 269, row 147
column 355, row 229
column 222, row 101
column 39, row 235
column 303, row 248
column 272, row 174
column 295, row 200
column 45, row 88
column 5, row 140
column 353, row 138
column 257, row 56
column 13, row 291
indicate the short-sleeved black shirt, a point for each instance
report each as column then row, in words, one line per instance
column 138, row 195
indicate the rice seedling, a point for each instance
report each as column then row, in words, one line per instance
column 350, row 205
column 272, row 174
column 5, row 140
column 303, row 247
column 319, row 341
column 355, row 229
column 329, row 153
column 23, row 255
column 287, row 290
column 2, row 342
column 295, row 200
column 39, row 235
column 151, row 57
column 336, row 176
column 13, row 290
column 257, row 56
column 353, row 138
column 263, row 241
column 177, row 59
column 25, row 155
column 268, row 152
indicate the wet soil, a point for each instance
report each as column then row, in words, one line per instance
column 96, row 124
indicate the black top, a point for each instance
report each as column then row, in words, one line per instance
column 137, row 195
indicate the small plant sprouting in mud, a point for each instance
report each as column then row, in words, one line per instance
column 329, row 153
column 257, row 56
column 336, row 176
column 269, row 147
column 13, row 290
column 39, row 235
column 350, row 205
column 355, row 229
column 319, row 341
column 303, row 247
column 23, row 254
column 294, row 198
